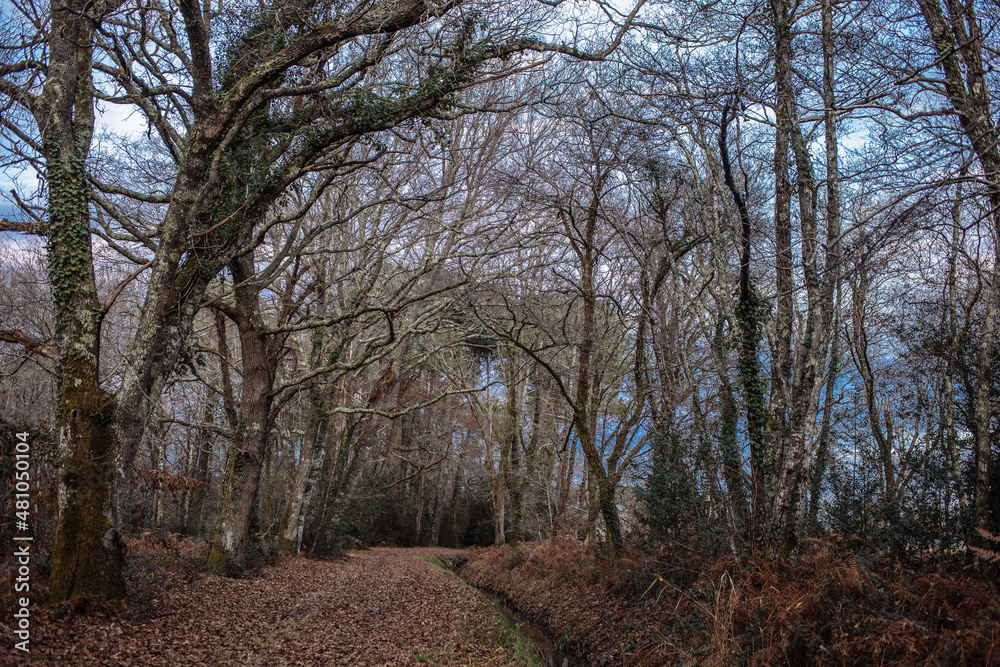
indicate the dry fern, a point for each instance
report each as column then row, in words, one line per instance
column 988, row 555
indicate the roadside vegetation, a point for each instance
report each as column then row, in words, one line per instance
column 834, row 606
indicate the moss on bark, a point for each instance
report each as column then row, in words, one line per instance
column 88, row 554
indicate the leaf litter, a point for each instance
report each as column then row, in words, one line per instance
column 379, row 607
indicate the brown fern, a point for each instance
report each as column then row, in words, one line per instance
column 987, row 555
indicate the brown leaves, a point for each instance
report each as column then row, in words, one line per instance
column 380, row 607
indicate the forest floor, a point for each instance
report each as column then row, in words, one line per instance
column 377, row 607
column 832, row 606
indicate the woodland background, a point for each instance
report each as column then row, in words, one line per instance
column 715, row 278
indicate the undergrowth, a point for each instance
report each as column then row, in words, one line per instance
column 833, row 606
column 157, row 562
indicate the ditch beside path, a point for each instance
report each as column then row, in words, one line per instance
column 378, row 607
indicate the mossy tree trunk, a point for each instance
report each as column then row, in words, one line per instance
column 87, row 556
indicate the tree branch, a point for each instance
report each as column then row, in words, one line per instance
column 30, row 343
column 34, row 228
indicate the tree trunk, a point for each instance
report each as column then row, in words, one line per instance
column 567, row 465
column 795, row 404
column 194, row 501
column 157, row 451
column 747, row 319
column 763, row 534
column 823, row 447
column 584, row 409
column 830, row 308
column 500, row 507
column 88, row 553
column 883, row 438
column 948, row 420
column 242, row 477
column 512, row 437
column 443, row 492
column 420, row 505
column 306, row 475
column 609, row 512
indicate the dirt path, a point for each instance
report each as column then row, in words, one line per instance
column 379, row 607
